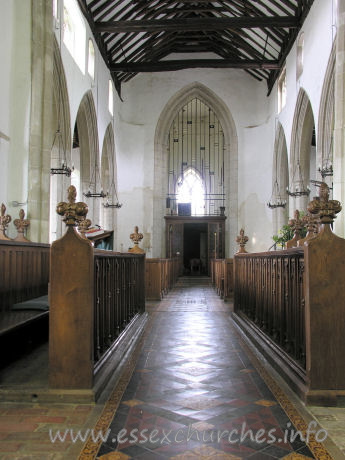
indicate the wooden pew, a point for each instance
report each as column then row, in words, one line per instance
column 155, row 282
column 291, row 305
column 24, row 272
column 97, row 311
column 222, row 277
column 228, row 271
column 160, row 277
column 24, row 276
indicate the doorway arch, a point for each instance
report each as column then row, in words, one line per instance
column 173, row 106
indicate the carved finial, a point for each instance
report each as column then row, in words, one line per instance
column 71, row 194
column 84, row 227
column 21, row 225
column 242, row 241
column 312, row 224
column 4, row 221
column 136, row 237
column 323, row 206
column 296, row 225
column 73, row 213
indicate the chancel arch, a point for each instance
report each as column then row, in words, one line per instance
column 302, row 153
column 61, row 143
column 325, row 144
column 280, row 179
column 109, row 181
column 206, row 97
column 85, row 153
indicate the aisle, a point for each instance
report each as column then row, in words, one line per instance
column 195, row 390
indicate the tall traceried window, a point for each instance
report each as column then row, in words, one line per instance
column 111, row 98
column 196, row 160
column 91, row 60
column 74, row 32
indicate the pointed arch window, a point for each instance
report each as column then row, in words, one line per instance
column 191, row 189
column 74, row 32
column 196, row 160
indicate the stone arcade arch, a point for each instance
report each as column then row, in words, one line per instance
column 108, row 172
column 61, row 113
column 281, row 175
column 301, row 138
column 86, row 123
column 326, row 119
column 176, row 103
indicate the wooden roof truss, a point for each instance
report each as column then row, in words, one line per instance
column 165, row 35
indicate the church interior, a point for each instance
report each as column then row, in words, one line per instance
column 172, row 229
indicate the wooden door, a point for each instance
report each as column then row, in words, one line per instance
column 175, row 242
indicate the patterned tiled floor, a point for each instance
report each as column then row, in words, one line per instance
column 195, row 391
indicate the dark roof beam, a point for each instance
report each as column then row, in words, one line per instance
column 149, row 39
column 162, row 66
column 195, row 24
column 256, row 12
column 147, row 16
column 271, row 33
column 145, row 47
column 268, row 34
column 241, row 41
column 103, row 10
column 279, row 5
column 228, row 45
column 192, row 49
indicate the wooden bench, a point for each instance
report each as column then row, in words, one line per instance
column 222, row 277
column 160, row 277
column 24, row 276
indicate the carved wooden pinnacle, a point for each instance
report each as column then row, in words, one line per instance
column 73, row 213
column 296, row 224
column 242, row 241
column 322, row 205
column 21, row 225
column 4, row 221
column 312, row 223
column 136, row 237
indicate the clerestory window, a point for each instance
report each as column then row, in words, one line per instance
column 74, row 32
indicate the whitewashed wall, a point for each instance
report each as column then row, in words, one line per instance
column 319, row 32
column 135, row 119
column 145, row 97
column 15, row 91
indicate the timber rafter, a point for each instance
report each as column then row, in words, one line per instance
column 166, row 35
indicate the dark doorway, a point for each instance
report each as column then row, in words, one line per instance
column 195, row 249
